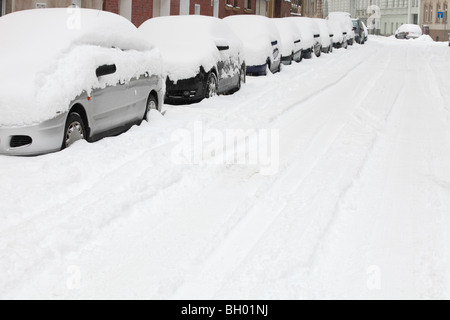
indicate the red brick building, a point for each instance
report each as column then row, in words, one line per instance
column 139, row 11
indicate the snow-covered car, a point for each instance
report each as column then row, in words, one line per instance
column 71, row 74
column 358, row 28
column 310, row 35
column 202, row 56
column 339, row 36
column 366, row 31
column 347, row 25
column 261, row 42
column 408, row 31
column 325, row 35
column 290, row 44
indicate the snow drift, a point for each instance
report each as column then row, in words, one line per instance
column 49, row 57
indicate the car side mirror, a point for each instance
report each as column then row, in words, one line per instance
column 354, row 28
column 105, row 70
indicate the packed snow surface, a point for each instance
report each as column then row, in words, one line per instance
column 190, row 42
column 358, row 205
column 257, row 34
column 49, row 57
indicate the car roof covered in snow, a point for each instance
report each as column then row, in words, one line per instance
column 257, row 34
column 289, row 36
column 190, row 42
column 411, row 28
column 34, row 85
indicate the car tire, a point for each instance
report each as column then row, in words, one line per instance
column 152, row 104
column 211, row 85
column 74, row 130
column 330, row 50
column 318, row 52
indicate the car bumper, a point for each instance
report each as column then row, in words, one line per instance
column 46, row 137
column 185, row 91
column 260, row 70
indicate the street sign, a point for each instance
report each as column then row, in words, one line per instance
column 440, row 14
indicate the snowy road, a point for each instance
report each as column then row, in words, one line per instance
column 358, row 208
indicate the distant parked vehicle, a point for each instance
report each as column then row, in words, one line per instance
column 310, row 35
column 358, row 28
column 202, row 56
column 326, row 35
column 261, row 42
column 291, row 43
column 347, row 25
column 366, row 32
column 408, row 31
column 60, row 84
column 339, row 36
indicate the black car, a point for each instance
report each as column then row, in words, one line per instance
column 202, row 57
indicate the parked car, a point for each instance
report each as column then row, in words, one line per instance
column 366, row 32
column 326, row 35
column 347, row 25
column 65, row 79
column 290, row 41
column 310, row 35
column 339, row 36
column 408, row 31
column 261, row 42
column 202, row 56
column 358, row 28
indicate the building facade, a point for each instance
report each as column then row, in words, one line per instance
column 8, row 6
column 436, row 25
column 386, row 15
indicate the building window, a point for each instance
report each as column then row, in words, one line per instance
column 445, row 13
column 248, row 4
column 431, row 14
column 2, row 7
column 197, row 9
column 438, row 9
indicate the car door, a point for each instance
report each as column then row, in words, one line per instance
column 111, row 103
column 224, row 65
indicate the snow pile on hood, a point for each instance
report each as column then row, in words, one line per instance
column 257, row 34
column 289, row 35
column 190, row 42
column 324, row 32
column 410, row 28
column 50, row 56
column 346, row 22
column 336, row 29
column 306, row 30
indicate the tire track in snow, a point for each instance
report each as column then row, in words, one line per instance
column 256, row 218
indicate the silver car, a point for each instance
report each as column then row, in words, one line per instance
column 95, row 80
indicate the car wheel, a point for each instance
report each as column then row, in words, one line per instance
column 74, row 130
column 211, row 85
column 152, row 105
column 318, row 52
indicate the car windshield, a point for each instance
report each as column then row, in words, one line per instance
column 355, row 23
